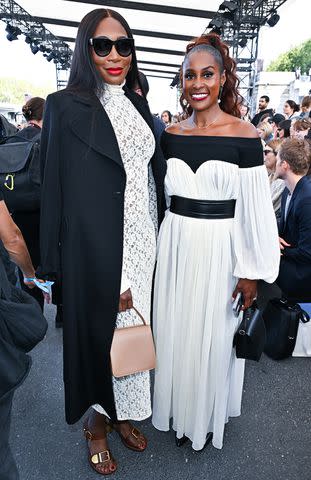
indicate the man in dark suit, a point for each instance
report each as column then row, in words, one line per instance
column 294, row 278
column 262, row 109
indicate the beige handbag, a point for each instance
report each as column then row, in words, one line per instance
column 132, row 349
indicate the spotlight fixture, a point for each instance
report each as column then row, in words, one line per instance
column 215, row 22
column 273, row 19
column 34, row 48
column 175, row 81
column 243, row 42
column 229, row 5
column 13, row 32
column 51, row 56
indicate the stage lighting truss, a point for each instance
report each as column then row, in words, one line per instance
column 239, row 22
column 40, row 39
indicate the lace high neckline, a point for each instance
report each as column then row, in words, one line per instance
column 112, row 92
column 114, row 89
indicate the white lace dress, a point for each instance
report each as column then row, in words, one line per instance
column 136, row 143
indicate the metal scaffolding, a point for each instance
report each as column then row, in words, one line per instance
column 239, row 22
column 39, row 38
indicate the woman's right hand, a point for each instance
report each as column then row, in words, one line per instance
column 126, row 300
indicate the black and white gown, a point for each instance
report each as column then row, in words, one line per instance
column 198, row 379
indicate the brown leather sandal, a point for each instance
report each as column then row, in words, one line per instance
column 134, row 434
column 100, row 459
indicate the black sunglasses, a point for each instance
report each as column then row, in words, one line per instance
column 103, row 46
column 269, row 151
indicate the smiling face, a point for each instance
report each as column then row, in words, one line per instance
column 202, row 80
column 113, row 68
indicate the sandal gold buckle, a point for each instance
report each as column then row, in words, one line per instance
column 135, row 433
column 101, row 457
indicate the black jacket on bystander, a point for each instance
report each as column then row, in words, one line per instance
column 295, row 268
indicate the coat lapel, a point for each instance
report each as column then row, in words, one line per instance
column 92, row 125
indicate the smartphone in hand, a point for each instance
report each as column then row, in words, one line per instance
column 237, row 304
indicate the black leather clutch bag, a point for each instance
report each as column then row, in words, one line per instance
column 250, row 338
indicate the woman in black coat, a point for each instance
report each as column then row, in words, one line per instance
column 100, row 163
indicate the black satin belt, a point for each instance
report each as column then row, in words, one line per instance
column 209, row 209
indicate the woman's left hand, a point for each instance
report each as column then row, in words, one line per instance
column 248, row 289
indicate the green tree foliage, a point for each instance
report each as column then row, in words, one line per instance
column 299, row 56
column 13, row 90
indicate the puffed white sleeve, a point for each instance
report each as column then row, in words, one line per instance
column 256, row 244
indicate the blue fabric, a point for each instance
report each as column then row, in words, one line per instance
column 306, row 307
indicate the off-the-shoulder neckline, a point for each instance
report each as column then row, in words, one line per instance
column 210, row 136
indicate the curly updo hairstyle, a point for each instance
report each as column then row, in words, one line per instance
column 33, row 109
column 230, row 98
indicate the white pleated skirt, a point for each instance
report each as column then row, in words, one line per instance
column 198, row 379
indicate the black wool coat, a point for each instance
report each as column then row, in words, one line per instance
column 81, row 241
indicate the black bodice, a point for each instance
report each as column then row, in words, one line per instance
column 195, row 150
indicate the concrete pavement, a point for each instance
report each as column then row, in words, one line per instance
column 270, row 441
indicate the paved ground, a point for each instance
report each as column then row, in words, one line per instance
column 270, row 441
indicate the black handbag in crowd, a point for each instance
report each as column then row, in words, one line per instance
column 249, row 339
column 20, row 173
column 281, row 319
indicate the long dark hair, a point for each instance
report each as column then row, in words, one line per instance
column 84, row 77
column 230, row 97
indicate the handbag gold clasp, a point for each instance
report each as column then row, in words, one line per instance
column 11, row 178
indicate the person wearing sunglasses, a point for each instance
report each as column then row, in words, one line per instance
column 277, row 185
column 101, row 204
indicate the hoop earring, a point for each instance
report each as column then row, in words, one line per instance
column 220, row 93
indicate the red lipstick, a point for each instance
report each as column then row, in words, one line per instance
column 115, row 71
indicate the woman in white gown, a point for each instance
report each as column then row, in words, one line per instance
column 218, row 237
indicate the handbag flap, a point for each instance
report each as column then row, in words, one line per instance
column 14, row 156
column 132, row 350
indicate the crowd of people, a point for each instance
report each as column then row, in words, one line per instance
column 173, row 225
